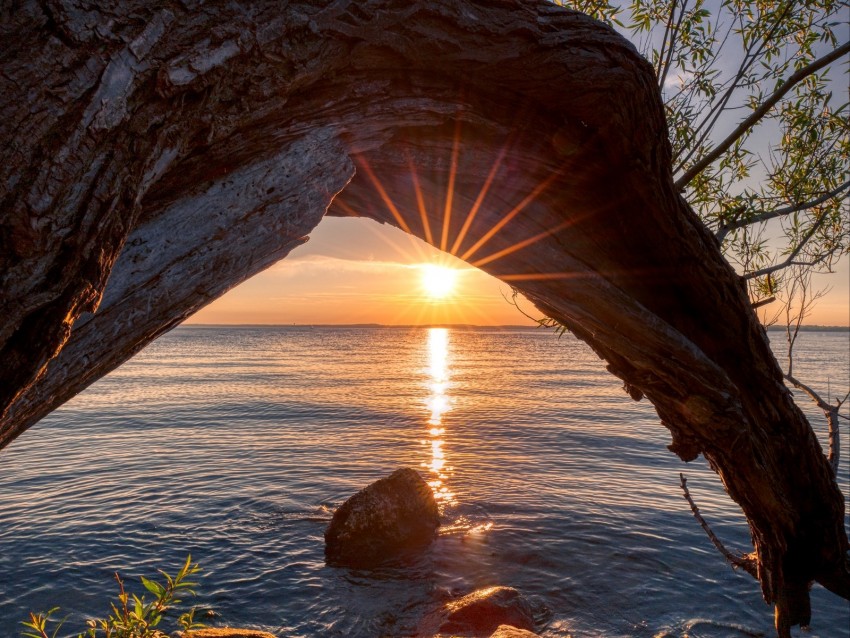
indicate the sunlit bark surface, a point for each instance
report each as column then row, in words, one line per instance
column 158, row 153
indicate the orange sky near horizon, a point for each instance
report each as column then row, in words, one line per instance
column 358, row 271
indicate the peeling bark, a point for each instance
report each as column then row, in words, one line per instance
column 175, row 149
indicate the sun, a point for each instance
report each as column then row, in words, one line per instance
column 438, row 281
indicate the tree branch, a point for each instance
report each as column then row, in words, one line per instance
column 661, row 53
column 747, row 562
column 800, row 289
column 794, row 79
column 785, row 264
column 763, row 302
column 831, row 412
column 673, row 35
column 727, row 227
column 716, row 110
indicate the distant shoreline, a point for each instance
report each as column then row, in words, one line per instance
column 812, row 328
column 460, row 326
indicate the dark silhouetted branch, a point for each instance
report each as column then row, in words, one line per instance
column 831, row 413
column 743, row 561
column 727, row 227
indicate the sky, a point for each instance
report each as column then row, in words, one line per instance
column 354, row 271
column 359, row 271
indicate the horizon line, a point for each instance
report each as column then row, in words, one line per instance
column 356, row 325
column 771, row 328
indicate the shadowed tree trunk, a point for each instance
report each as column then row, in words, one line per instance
column 174, row 149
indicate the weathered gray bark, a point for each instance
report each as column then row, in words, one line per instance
column 175, row 149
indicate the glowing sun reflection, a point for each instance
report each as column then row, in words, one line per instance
column 438, row 403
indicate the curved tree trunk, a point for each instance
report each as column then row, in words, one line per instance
column 175, row 149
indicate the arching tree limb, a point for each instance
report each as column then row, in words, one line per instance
column 178, row 150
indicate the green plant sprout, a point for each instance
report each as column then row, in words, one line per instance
column 130, row 616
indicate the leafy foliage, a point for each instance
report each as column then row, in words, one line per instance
column 130, row 616
column 37, row 625
column 760, row 140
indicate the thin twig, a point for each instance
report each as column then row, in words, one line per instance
column 543, row 322
column 662, row 52
column 799, row 289
column 787, row 264
column 790, row 260
column 747, row 562
column 673, row 37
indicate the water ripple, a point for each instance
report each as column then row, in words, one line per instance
column 236, row 444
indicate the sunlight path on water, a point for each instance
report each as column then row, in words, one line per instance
column 439, row 404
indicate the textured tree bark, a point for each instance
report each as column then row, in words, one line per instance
column 158, row 153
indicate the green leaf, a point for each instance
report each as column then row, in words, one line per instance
column 153, row 587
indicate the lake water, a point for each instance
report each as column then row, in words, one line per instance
column 236, row 444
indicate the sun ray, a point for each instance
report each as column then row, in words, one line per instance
column 361, row 161
column 415, row 245
column 519, row 117
column 450, row 191
column 605, row 274
column 346, row 208
column 479, row 200
column 469, row 307
column 541, row 276
column 420, row 202
column 516, row 210
column 521, row 244
column 415, row 253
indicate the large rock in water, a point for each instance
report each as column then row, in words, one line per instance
column 389, row 518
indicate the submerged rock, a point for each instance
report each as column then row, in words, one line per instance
column 483, row 611
column 507, row 631
column 224, row 632
column 389, row 518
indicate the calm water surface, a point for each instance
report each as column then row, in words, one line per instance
column 235, row 444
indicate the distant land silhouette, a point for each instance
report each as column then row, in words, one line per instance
column 777, row 328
